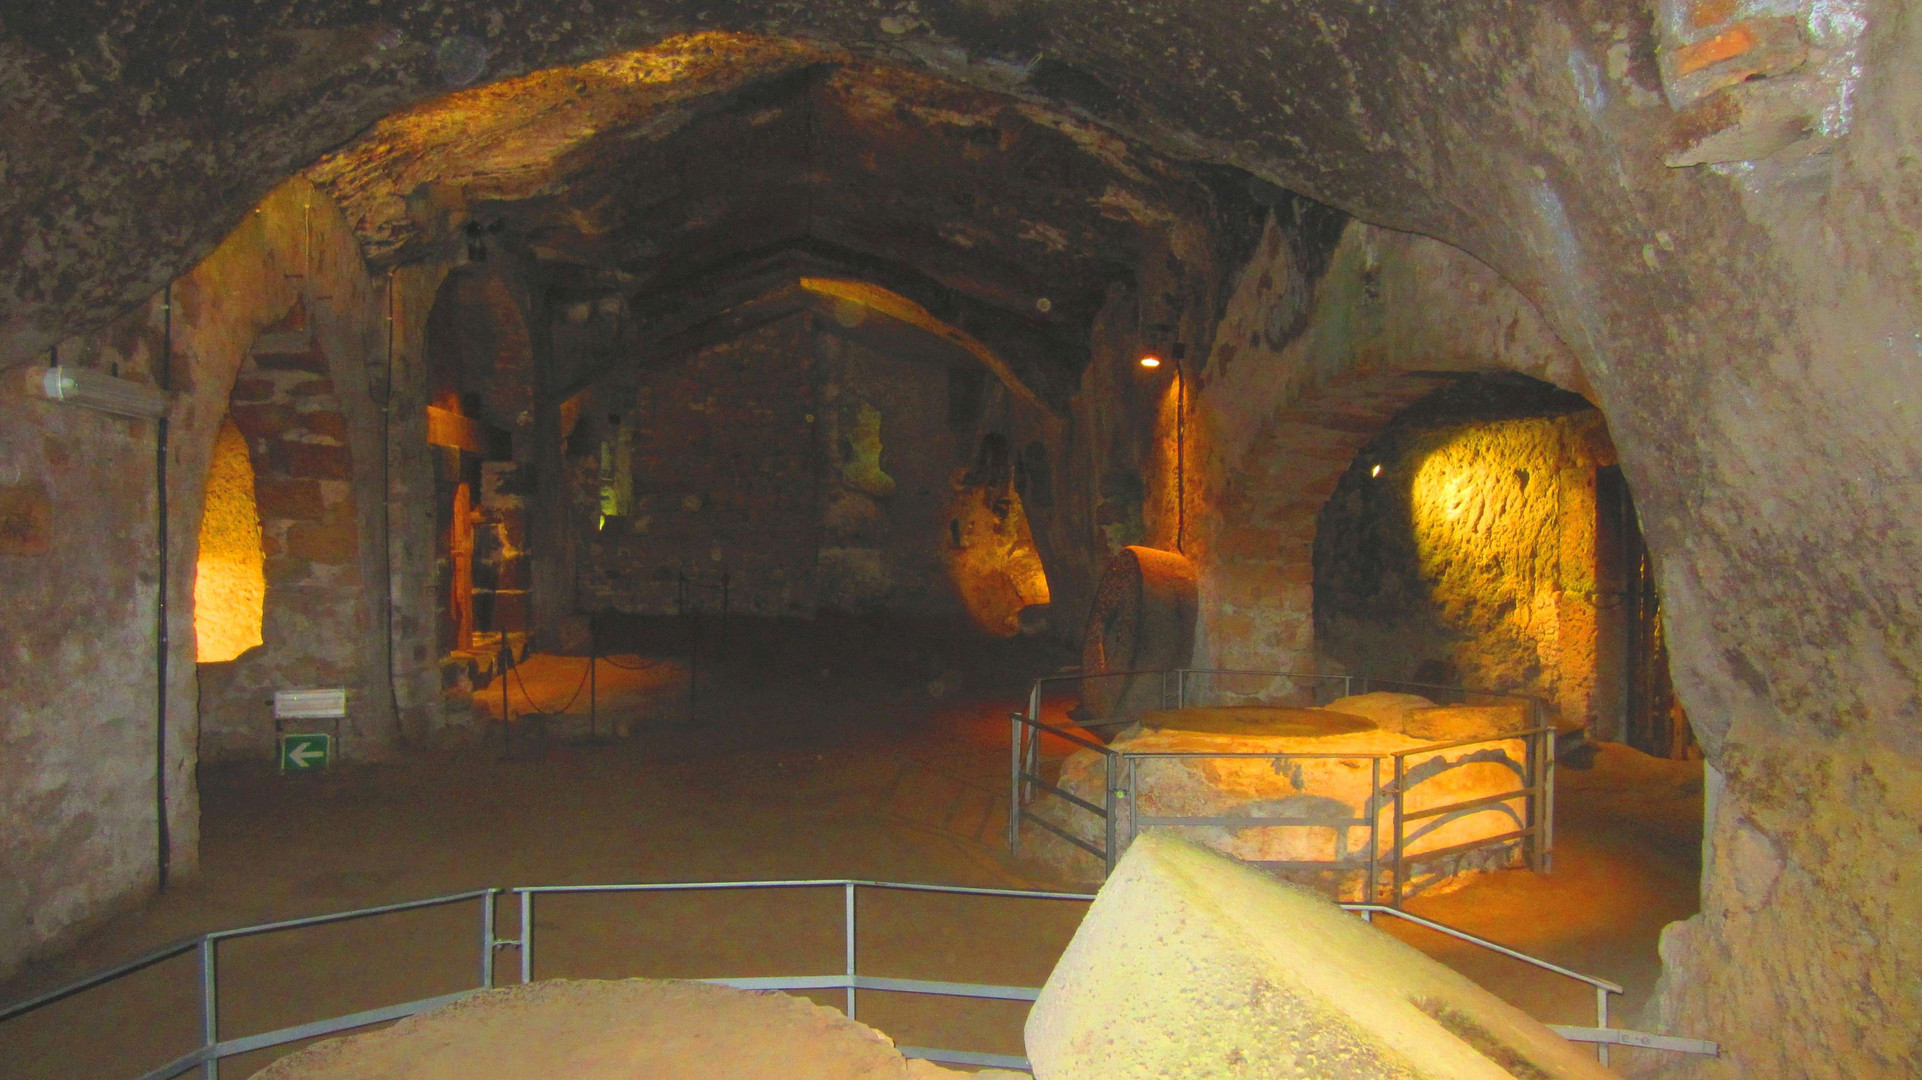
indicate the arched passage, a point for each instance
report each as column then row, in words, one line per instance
column 1484, row 537
column 481, row 396
column 285, row 408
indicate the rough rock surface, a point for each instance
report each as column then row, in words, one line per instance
column 1191, row 965
column 614, row 1030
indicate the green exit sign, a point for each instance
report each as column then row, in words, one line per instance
column 305, row 752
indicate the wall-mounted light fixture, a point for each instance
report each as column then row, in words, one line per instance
column 1376, row 471
column 97, row 390
column 1152, row 360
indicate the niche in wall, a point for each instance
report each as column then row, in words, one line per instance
column 1484, row 537
column 230, row 579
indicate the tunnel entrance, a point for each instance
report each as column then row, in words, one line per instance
column 479, row 370
column 1486, row 537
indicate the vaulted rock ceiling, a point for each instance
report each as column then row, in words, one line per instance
column 713, row 158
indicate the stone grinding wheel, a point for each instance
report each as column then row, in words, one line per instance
column 1143, row 618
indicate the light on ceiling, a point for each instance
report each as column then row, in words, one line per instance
column 1376, row 471
column 1151, row 361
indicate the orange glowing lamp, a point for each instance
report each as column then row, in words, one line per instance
column 1151, row 361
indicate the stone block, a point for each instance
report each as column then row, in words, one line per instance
column 1190, row 964
column 325, row 423
column 261, row 421
column 298, row 500
column 286, row 358
column 323, row 543
column 253, row 388
column 311, row 388
column 313, row 461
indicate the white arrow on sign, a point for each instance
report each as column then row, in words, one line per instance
column 304, row 755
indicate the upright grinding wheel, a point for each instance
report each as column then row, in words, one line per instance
column 1143, row 620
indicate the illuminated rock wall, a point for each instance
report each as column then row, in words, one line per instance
column 230, row 584
column 1459, row 546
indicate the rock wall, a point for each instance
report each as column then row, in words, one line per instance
column 78, row 825
column 712, row 467
column 1304, row 371
column 78, row 788
column 1459, row 547
column 821, row 465
column 314, row 607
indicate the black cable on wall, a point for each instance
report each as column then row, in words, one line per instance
column 163, row 838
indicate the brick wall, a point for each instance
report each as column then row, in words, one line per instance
column 285, row 405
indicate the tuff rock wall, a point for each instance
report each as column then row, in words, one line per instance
column 78, row 796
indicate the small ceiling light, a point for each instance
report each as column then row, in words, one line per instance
column 1376, row 471
column 1151, row 361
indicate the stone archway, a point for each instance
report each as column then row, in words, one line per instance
column 285, row 406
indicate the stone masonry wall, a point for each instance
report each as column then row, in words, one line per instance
column 78, row 832
column 712, row 467
column 285, row 406
column 1301, row 375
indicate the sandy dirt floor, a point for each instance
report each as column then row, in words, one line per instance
column 821, row 750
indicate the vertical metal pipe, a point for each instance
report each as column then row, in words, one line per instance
column 1181, row 688
column 527, row 936
column 163, row 635
column 209, row 1008
column 487, row 940
column 848, row 901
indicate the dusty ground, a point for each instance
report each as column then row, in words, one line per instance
column 825, row 751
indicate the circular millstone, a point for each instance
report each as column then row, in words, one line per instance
column 613, row 1030
column 1257, row 720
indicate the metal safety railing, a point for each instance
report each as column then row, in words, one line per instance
column 1118, row 698
column 214, row 1048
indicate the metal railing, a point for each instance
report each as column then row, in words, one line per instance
column 214, row 1048
column 1122, row 813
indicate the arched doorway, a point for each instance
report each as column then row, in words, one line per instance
column 286, row 427
column 1484, row 536
column 480, row 400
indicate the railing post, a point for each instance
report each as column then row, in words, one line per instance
column 1181, row 688
column 209, row 1008
column 1016, row 733
column 1601, row 1021
column 487, row 940
column 1133, row 803
column 1373, row 892
column 1548, row 806
column 849, row 907
column 1396, row 855
column 527, row 936
column 1109, row 805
